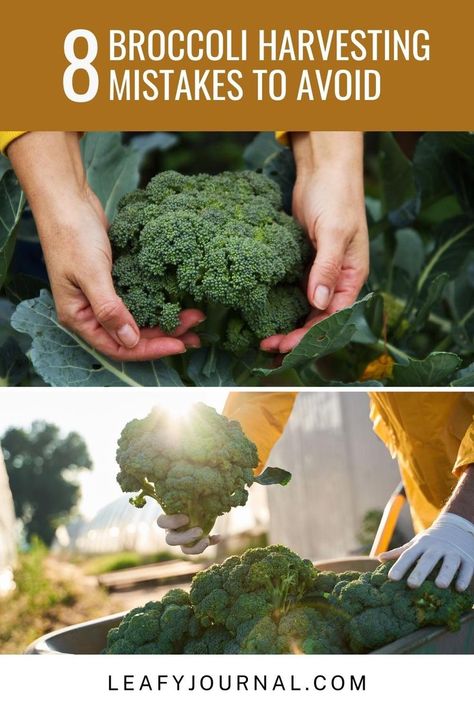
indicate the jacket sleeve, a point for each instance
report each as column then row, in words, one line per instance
column 6, row 137
column 263, row 417
column 282, row 137
column 466, row 452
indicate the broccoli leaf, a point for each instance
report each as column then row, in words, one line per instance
column 11, row 206
column 219, row 375
column 273, row 475
column 325, row 337
column 63, row 359
column 465, row 377
column 111, row 167
column 398, row 185
column 436, row 369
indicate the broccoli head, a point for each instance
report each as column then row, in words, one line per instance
column 199, row 464
column 163, row 627
column 262, row 583
column 379, row 611
column 220, row 242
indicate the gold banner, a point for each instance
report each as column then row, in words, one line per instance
column 243, row 66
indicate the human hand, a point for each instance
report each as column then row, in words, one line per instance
column 449, row 541
column 328, row 201
column 72, row 227
column 191, row 541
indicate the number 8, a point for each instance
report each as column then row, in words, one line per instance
column 75, row 64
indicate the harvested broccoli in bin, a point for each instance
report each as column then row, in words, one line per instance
column 270, row 601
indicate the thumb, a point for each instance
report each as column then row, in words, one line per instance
column 394, row 553
column 325, row 272
column 110, row 311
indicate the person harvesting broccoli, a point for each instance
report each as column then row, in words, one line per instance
column 196, row 467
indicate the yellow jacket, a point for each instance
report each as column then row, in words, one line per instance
column 430, row 433
column 6, row 137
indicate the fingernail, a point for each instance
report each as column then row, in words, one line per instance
column 321, row 297
column 127, row 336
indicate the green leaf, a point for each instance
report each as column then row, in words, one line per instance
column 464, row 378
column 454, row 238
column 12, row 202
column 443, row 163
column 273, row 475
column 280, row 167
column 433, row 296
column 436, row 369
column 14, row 364
column 260, row 149
column 220, row 374
column 63, row 359
column 325, row 337
column 111, row 167
column 398, row 184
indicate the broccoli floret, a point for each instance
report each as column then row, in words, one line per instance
column 379, row 611
column 200, row 465
column 163, row 627
column 263, row 582
column 211, row 241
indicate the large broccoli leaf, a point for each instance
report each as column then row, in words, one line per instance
column 111, row 167
column 63, row 359
column 325, row 337
column 11, row 207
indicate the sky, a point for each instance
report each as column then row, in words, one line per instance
column 99, row 416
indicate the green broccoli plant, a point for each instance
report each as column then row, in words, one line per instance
column 200, row 464
column 379, row 611
column 270, row 601
column 221, row 243
column 163, row 627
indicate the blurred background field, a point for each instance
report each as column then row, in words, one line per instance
column 72, row 547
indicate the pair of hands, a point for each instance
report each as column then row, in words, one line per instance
column 328, row 201
column 449, row 541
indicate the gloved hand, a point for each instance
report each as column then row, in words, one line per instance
column 451, row 540
column 191, row 540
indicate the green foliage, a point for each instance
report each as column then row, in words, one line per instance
column 199, row 464
column 421, row 222
column 40, row 463
column 12, row 202
column 270, row 601
column 221, row 243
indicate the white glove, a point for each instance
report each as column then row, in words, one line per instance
column 450, row 539
column 191, row 541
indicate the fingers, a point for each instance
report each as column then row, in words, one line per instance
column 197, row 548
column 189, row 318
column 448, row 570
column 201, row 545
column 183, row 538
column 110, row 311
column 423, row 568
column 465, row 576
column 404, row 562
column 325, row 271
column 146, row 348
column 173, row 521
column 394, row 553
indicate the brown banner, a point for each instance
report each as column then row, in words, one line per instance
column 427, row 87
